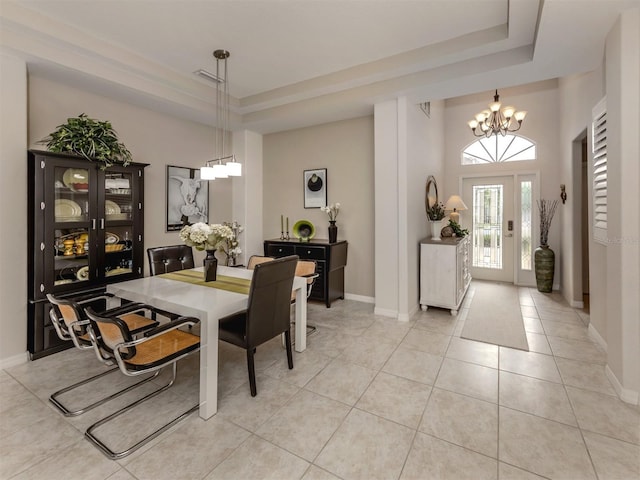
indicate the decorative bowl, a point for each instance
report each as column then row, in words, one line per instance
column 304, row 229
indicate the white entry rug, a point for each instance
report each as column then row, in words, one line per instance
column 495, row 316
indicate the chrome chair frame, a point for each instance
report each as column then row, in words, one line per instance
column 311, row 278
column 69, row 333
column 120, row 360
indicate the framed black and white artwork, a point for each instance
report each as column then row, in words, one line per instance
column 187, row 197
column 315, row 188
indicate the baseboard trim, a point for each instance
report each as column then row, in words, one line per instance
column 14, row 360
column 405, row 317
column 593, row 333
column 383, row 312
column 625, row 394
column 359, row 298
column 576, row 304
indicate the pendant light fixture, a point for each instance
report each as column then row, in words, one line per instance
column 223, row 165
column 496, row 121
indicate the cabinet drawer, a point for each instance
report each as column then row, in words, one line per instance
column 314, row 253
column 280, row 250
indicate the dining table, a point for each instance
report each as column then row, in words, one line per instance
column 208, row 303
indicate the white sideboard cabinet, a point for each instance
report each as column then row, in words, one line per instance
column 444, row 272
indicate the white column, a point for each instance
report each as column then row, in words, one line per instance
column 13, row 222
column 386, row 208
column 247, row 192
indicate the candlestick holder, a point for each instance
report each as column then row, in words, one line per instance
column 282, row 236
column 287, row 236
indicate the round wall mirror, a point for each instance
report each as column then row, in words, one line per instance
column 431, row 193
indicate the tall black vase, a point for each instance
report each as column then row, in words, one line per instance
column 210, row 266
column 333, row 231
column 545, row 261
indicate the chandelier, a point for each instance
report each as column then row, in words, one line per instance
column 223, row 165
column 497, row 121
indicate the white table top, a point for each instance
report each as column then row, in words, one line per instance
column 186, row 298
column 209, row 305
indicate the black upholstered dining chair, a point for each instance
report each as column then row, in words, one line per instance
column 268, row 312
column 169, row 258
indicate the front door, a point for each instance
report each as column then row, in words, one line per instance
column 490, row 221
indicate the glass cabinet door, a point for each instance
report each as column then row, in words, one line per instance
column 73, row 235
column 119, row 225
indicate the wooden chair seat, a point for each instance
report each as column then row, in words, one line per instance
column 137, row 322
column 162, row 349
column 70, row 322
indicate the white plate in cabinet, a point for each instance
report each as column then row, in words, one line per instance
column 444, row 273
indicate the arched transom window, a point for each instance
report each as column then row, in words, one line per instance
column 496, row 149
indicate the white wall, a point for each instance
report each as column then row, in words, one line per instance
column 614, row 268
column 577, row 95
column 409, row 148
column 38, row 106
column 541, row 126
column 622, row 69
column 345, row 149
column 152, row 138
column 387, row 144
column 247, row 192
column 13, row 214
column 425, row 156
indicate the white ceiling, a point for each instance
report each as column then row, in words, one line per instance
column 299, row 62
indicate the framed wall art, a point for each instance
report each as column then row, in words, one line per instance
column 315, row 188
column 187, row 197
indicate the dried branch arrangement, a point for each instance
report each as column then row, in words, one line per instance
column 547, row 209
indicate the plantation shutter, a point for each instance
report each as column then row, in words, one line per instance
column 599, row 171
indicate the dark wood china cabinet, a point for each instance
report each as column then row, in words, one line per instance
column 86, row 230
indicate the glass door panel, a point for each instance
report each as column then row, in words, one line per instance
column 487, row 226
column 118, row 214
column 71, row 194
column 118, row 203
column 72, row 238
column 525, row 205
column 491, row 227
column 71, row 258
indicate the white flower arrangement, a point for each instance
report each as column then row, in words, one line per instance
column 332, row 210
column 203, row 236
column 231, row 246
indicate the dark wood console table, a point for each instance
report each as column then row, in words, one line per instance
column 331, row 258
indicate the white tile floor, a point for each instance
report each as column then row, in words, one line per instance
column 370, row 398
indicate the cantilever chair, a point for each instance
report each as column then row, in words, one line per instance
column 256, row 260
column 306, row 269
column 268, row 312
column 169, row 259
column 70, row 323
column 157, row 348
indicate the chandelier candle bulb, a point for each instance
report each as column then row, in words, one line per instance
column 496, row 120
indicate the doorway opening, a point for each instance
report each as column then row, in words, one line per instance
column 583, row 205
